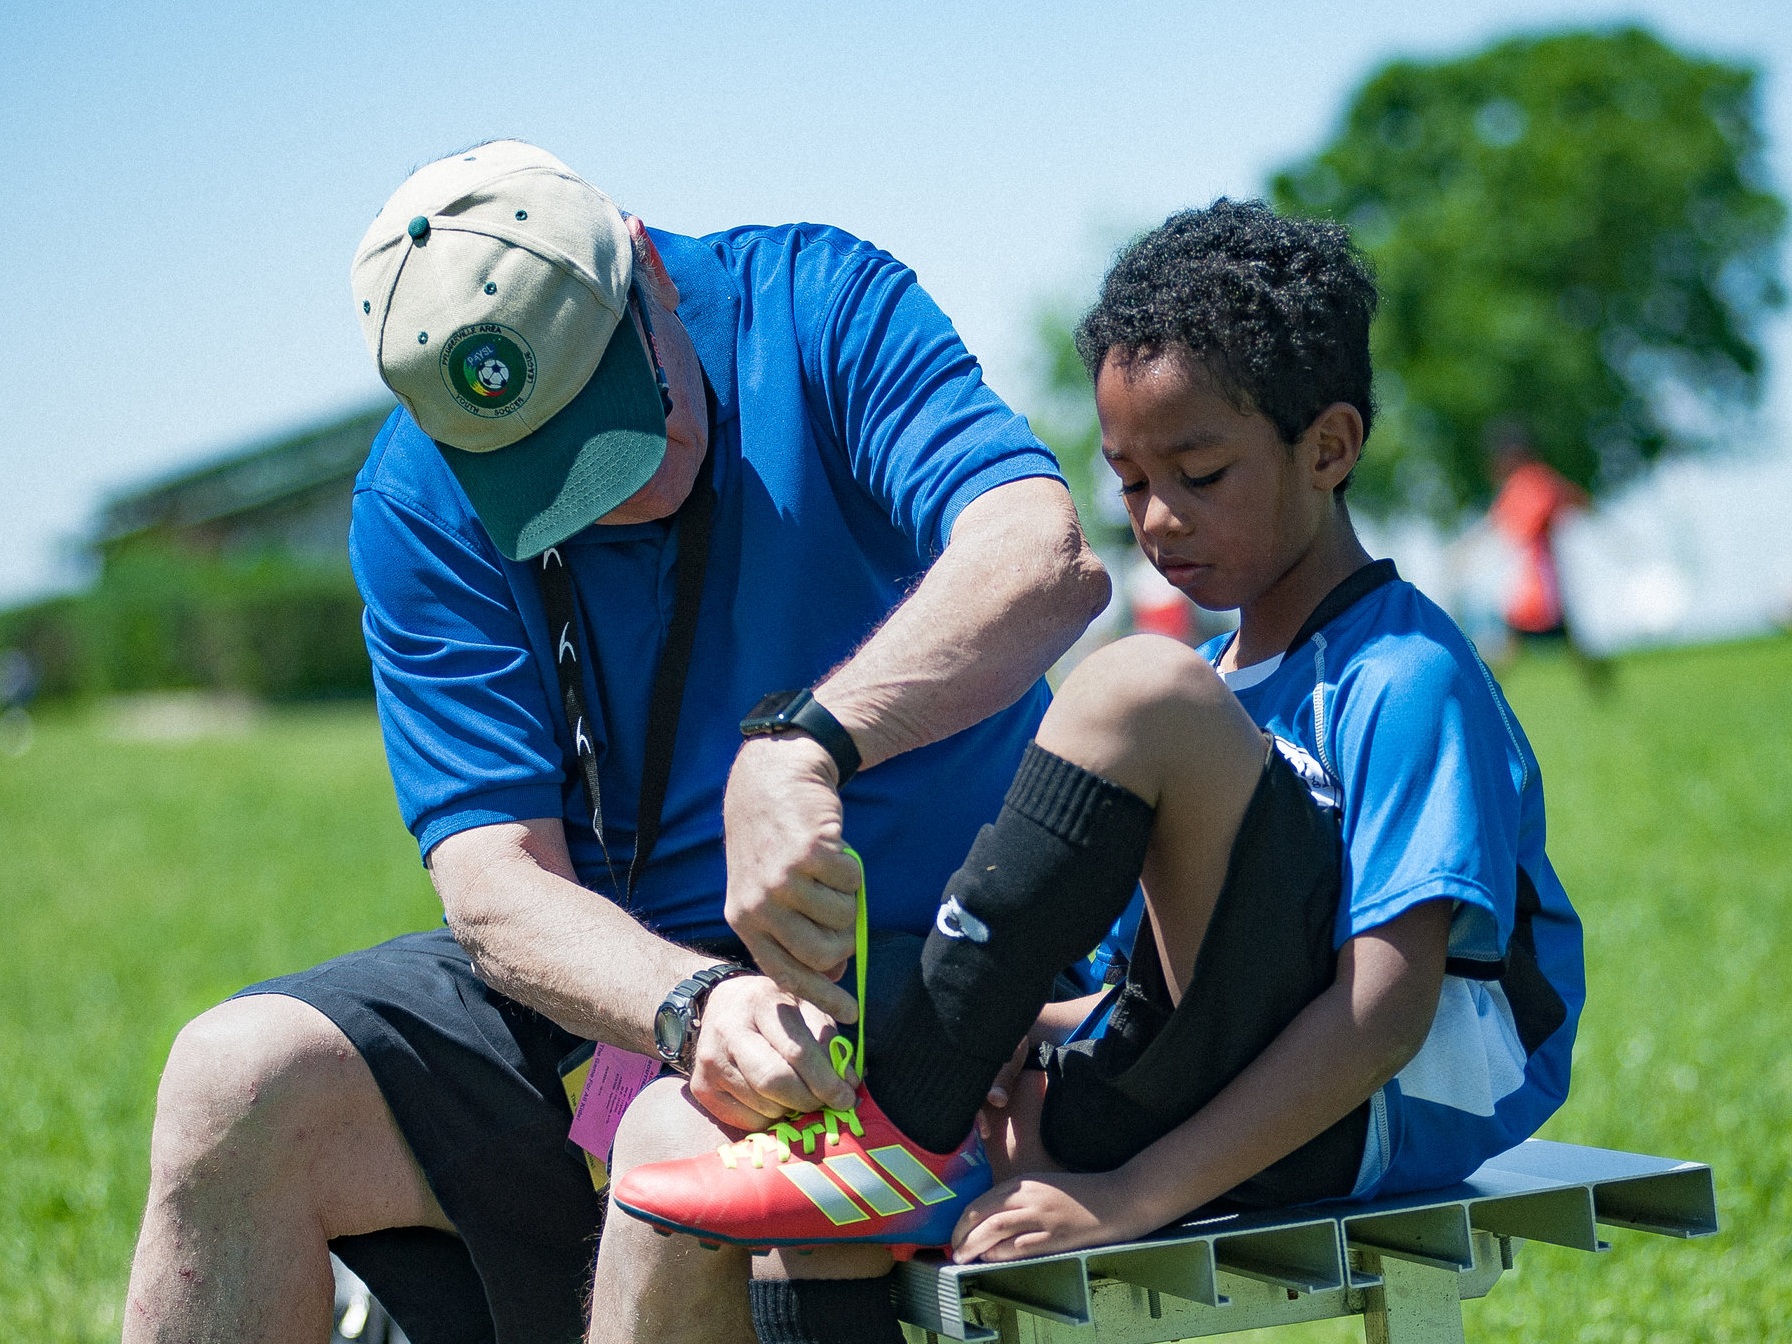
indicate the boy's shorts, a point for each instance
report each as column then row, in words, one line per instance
column 1266, row 955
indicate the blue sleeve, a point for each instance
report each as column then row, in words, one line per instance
column 904, row 399
column 1430, row 805
column 465, row 716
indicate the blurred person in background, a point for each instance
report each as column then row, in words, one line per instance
column 1531, row 502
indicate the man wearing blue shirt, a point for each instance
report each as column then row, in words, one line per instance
column 802, row 492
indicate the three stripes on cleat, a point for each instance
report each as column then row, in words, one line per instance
column 857, row 1175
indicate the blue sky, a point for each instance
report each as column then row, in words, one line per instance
column 185, row 183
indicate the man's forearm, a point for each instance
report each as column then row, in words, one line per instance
column 1012, row 591
column 540, row 938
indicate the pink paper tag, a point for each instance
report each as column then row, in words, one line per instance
column 616, row 1079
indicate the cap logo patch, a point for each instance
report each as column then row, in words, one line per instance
column 489, row 369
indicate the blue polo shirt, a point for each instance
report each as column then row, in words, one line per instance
column 852, row 428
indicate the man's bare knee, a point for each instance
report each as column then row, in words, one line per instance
column 663, row 1123
column 265, row 1094
column 234, row 1074
column 653, row 1287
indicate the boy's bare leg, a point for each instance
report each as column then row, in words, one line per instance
column 1153, row 716
column 270, row 1138
column 1011, row 1132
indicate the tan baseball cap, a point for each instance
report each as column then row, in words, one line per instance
column 493, row 292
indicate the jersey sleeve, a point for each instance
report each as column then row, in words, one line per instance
column 465, row 716
column 1430, row 804
column 906, row 402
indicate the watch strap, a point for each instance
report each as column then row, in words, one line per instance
column 815, row 719
column 688, row 996
column 711, row 976
column 803, row 713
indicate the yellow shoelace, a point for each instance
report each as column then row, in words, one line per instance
column 778, row 1137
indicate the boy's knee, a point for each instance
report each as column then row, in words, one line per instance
column 1146, row 694
column 1142, row 676
column 240, row 1081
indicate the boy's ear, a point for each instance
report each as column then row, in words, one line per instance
column 1335, row 442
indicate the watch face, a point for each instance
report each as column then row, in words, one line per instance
column 766, row 714
column 668, row 1032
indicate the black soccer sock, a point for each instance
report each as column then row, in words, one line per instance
column 1038, row 890
column 825, row 1311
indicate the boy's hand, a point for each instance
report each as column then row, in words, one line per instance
column 1059, row 1211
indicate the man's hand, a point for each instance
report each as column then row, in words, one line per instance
column 791, row 884
column 761, row 1053
column 1057, row 1211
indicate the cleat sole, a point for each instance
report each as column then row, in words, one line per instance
column 711, row 1241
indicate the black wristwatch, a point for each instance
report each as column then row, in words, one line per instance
column 680, row 1014
column 801, row 712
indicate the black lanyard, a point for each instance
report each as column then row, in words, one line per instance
column 690, row 528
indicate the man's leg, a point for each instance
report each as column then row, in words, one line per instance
column 270, row 1138
column 653, row 1287
column 650, row 1286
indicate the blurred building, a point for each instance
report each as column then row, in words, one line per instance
column 289, row 496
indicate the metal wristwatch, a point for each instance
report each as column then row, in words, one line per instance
column 680, row 1014
column 801, row 712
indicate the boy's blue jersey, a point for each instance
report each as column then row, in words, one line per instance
column 1394, row 720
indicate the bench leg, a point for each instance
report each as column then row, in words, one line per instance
column 1415, row 1304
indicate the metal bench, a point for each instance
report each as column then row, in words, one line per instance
column 1405, row 1265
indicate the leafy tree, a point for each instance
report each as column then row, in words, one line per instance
column 1573, row 234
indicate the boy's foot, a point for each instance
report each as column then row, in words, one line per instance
column 829, row 1176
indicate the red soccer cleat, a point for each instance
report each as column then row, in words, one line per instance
column 817, row 1179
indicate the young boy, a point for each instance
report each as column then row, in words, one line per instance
column 1359, row 974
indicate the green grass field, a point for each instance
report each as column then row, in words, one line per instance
column 141, row 883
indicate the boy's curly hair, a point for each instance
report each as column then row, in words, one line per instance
column 1276, row 309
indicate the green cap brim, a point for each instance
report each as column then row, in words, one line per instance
column 603, row 446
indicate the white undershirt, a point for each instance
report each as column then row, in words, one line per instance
column 1243, row 678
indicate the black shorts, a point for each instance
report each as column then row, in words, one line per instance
column 1267, row 954
column 473, row 1080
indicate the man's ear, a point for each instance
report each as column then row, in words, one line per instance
column 1335, row 440
column 650, row 267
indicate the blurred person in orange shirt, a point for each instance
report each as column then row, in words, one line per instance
column 1532, row 499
